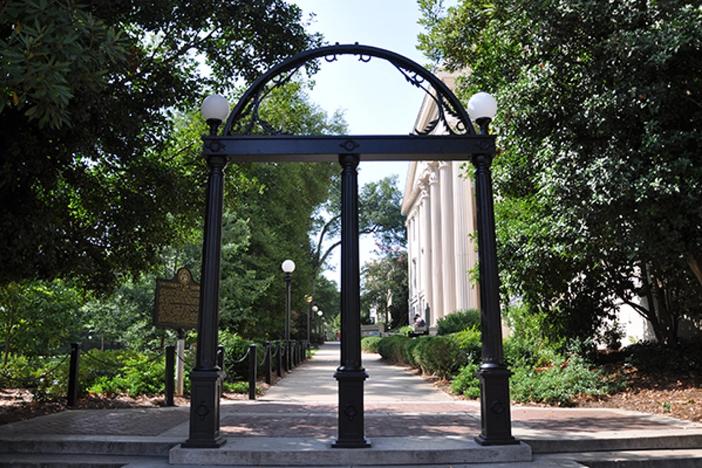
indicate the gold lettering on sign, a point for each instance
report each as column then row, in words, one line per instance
column 177, row 301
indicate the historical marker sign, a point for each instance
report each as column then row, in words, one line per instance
column 177, row 301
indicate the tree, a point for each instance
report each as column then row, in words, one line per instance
column 385, row 287
column 86, row 102
column 598, row 181
column 379, row 215
column 39, row 318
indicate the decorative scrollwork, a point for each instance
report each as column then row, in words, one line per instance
column 245, row 118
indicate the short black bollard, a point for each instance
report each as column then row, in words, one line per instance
column 267, row 363
column 253, row 364
column 170, row 375
column 279, row 360
column 73, row 385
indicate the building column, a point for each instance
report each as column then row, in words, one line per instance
column 447, row 245
column 437, row 304
column 425, row 247
column 461, row 243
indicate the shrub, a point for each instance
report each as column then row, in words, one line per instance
column 528, row 345
column 655, row 357
column 469, row 343
column 558, row 384
column 437, row 355
column 466, row 382
column 405, row 331
column 391, row 348
column 240, row 387
column 370, row 344
column 235, row 347
column 457, row 321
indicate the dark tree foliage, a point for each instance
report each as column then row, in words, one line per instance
column 87, row 97
column 599, row 176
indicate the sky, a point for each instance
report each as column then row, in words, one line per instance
column 374, row 96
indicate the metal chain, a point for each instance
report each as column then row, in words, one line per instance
column 243, row 358
column 34, row 381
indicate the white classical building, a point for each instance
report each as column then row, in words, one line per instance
column 439, row 207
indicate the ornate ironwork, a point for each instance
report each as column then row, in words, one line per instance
column 245, row 119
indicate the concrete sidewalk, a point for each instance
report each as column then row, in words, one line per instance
column 313, row 382
column 300, row 411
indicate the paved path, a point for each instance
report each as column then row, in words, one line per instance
column 303, row 406
column 313, row 382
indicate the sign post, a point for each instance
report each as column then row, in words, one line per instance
column 176, row 307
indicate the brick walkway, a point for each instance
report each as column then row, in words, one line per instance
column 398, row 404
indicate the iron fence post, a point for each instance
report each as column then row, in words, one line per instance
column 267, row 363
column 73, row 384
column 253, row 364
column 170, row 375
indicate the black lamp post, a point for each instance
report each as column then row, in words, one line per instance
column 313, row 310
column 496, row 427
column 206, row 377
column 320, row 324
column 288, row 267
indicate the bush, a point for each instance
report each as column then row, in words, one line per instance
column 466, row 382
column 528, row 345
column 470, row 344
column 122, row 372
column 558, row 384
column 405, row 331
column 458, row 321
column 370, row 344
column 391, row 348
column 437, row 355
column 658, row 358
column 240, row 387
column 235, row 347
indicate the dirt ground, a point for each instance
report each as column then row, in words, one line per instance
column 18, row 404
column 679, row 396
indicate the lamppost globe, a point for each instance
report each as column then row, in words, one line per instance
column 288, row 266
column 215, row 107
column 319, row 313
column 482, row 106
column 315, row 308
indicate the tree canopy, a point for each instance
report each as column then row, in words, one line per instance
column 599, row 177
column 87, row 102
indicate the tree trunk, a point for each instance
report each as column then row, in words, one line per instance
column 695, row 262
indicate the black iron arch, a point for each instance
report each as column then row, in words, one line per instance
column 244, row 117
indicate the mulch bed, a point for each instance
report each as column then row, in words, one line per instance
column 676, row 395
column 18, row 404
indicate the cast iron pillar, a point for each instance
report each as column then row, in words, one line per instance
column 205, row 378
column 350, row 373
column 496, row 424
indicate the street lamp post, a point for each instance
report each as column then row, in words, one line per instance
column 320, row 324
column 288, row 267
column 314, row 310
column 206, row 377
column 496, row 427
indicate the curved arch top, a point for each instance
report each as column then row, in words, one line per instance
column 415, row 74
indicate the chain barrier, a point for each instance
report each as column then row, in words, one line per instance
column 261, row 357
column 33, row 382
column 243, row 358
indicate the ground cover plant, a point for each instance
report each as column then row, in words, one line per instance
column 542, row 372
